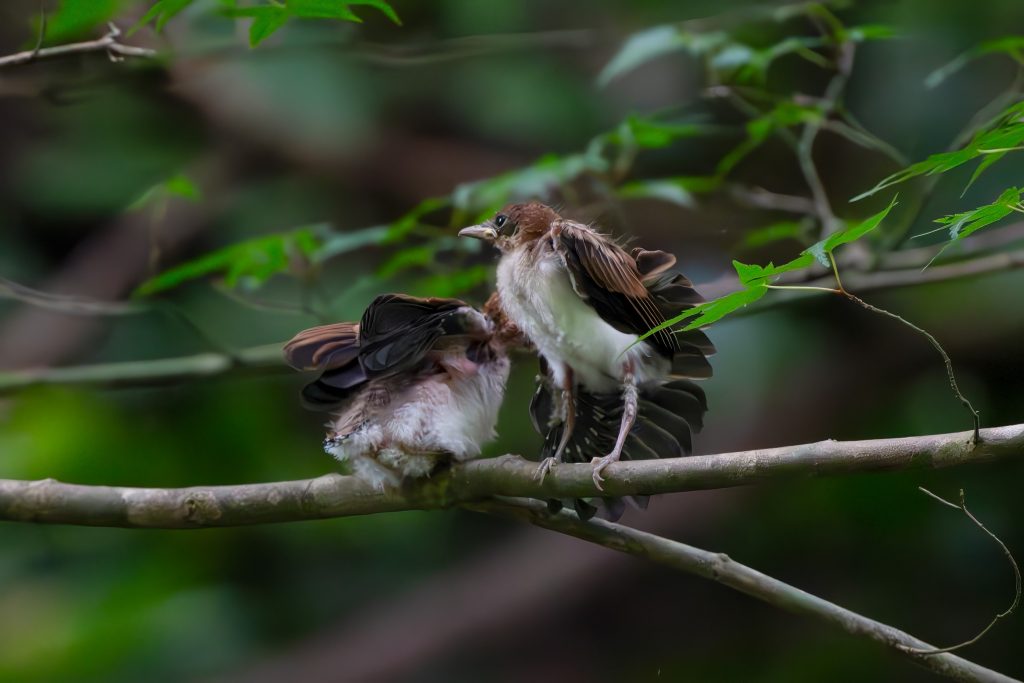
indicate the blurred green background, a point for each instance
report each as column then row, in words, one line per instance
column 343, row 127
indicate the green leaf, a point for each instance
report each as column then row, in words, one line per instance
column 784, row 115
column 407, row 258
column 1006, row 134
column 537, row 180
column 773, row 233
column 266, row 20
column 866, row 32
column 713, row 311
column 650, row 134
column 321, row 9
column 1012, row 46
column 758, row 275
column 384, row 7
column 161, row 12
column 344, row 242
column 675, row 190
column 251, row 262
column 455, row 283
column 855, row 232
column 178, row 185
column 76, row 18
column 964, row 224
column 654, row 42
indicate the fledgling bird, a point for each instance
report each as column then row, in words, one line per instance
column 583, row 301
column 415, row 383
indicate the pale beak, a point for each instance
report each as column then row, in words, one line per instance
column 480, row 232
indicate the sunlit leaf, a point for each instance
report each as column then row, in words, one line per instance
column 964, row 224
column 1005, row 135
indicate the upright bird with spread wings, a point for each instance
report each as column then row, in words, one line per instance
column 583, row 301
column 415, row 383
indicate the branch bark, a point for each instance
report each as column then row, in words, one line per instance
column 108, row 43
column 722, row 569
column 334, row 495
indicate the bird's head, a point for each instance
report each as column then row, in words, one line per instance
column 513, row 226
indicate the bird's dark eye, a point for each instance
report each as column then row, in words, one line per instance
column 500, row 219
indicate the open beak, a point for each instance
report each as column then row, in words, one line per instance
column 480, row 232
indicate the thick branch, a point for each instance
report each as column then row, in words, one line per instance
column 722, row 569
column 108, row 43
column 333, row 495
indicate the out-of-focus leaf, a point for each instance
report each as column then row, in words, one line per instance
column 75, row 18
column 537, row 180
column 266, row 20
column 251, row 262
column 646, row 45
column 1013, row 46
column 745, row 64
column 783, row 115
column 866, row 32
column 455, row 283
column 344, row 242
column 407, row 258
column 773, row 233
column 160, row 13
column 412, row 219
column 1005, row 135
column 178, row 185
column 675, row 190
column 650, row 134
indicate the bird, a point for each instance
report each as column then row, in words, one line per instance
column 416, row 383
column 583, row 301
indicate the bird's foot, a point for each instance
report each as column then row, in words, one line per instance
column 599, row 466
column 545, row 466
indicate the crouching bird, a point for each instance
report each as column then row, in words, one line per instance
column 583, row 301
column 415, row 383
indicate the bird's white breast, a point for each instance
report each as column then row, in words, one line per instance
column 538, row 296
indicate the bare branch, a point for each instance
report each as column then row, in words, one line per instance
column 109, row 43
column 333, row 495
column 722, row 569
column 147, row 372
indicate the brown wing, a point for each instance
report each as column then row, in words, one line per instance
column 607, row 278
column 323, row 347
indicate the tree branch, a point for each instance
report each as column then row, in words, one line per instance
column 108, row 43
column 722, row 569
column 334, row 495
column 146, row 372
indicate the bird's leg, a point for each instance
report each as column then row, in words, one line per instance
column 630, row 396
column 568, row 406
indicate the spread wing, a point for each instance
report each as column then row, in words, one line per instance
column 607, row 278
column 393, row 337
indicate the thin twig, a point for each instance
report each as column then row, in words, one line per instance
column 1009, row 556
column 722, row 569
column 108, row 43
column 938, row 347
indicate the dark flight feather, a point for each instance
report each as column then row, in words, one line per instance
column 394, row 336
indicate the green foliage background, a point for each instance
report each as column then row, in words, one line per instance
column 336, row 160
